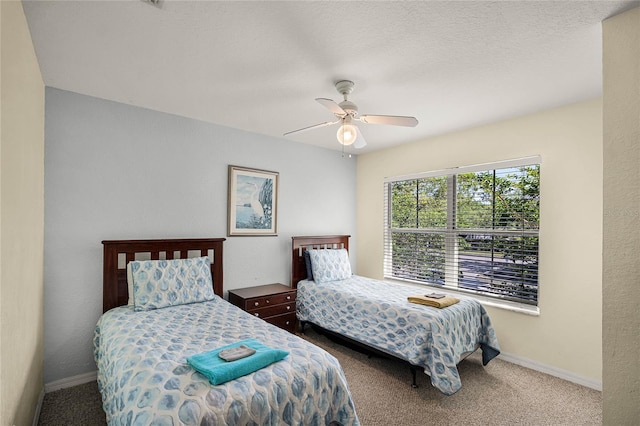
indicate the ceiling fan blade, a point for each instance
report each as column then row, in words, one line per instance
column 332, row 106
column 315, row 126
column 394, row 120
column 359, row 142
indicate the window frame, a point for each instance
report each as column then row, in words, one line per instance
column 451, row 233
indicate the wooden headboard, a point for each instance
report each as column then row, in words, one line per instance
column 117, row 253
column 300, row 244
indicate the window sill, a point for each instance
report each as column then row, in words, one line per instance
column 521, row 308
column 506, row 305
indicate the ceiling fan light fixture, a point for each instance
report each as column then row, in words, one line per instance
column 347, row 134
column 346, row 112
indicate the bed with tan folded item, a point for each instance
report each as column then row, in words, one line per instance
column 384, row 316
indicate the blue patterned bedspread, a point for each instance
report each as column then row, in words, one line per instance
column 144, row 377
column 378, row 314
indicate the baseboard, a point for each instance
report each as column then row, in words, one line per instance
column 36, row 415
column 552, row 371
column 70, row 382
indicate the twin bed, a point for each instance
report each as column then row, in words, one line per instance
column 141, row 351
column 150, row 329
column 377, row 314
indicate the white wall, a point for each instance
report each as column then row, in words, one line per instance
column 567, row 334
column 114, row 171
column 21, row 219
column 621, row 269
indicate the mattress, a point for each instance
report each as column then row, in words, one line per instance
column 144, row 378
column 377, row 313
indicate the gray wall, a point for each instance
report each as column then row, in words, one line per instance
column 113, row 171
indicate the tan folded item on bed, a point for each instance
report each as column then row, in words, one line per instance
column 436, row 303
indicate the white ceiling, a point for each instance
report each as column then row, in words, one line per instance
column 259, row 65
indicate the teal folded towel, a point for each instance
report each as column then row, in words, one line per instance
column 219, row 371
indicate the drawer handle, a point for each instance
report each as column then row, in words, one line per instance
column 257, row 304
column 288, row 307
column 257, row 314
column 288, row 297
column 287, row 323
column 267, row 301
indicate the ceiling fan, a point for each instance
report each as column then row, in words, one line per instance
column 346, row 113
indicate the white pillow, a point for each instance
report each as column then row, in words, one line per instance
column 161, row 283
column 330, row 265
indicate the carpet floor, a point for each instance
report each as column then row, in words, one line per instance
column 500, row 393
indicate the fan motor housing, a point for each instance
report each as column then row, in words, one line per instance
column 349, row 107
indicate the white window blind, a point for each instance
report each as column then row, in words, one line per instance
column 472, row 229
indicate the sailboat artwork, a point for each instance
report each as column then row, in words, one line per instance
column 252, row 204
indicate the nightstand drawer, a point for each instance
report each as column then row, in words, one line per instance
column 286, row 321
column 274, row 299
column 269, row 311
column 274, row 303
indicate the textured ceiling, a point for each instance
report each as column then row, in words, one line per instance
column 259, row 66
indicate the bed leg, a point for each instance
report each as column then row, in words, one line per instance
column 302, row 325
column 413, row 375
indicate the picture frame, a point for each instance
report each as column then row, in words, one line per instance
column 252, row 202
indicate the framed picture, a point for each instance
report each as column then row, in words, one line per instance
column 253, row 202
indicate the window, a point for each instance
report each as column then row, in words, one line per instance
column 472, row 229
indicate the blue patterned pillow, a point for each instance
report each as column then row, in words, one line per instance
column 162, row 283
column 330, row 265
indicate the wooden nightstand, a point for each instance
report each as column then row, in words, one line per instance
column 274, row 303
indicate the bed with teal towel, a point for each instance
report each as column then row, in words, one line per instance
column 143, row 348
